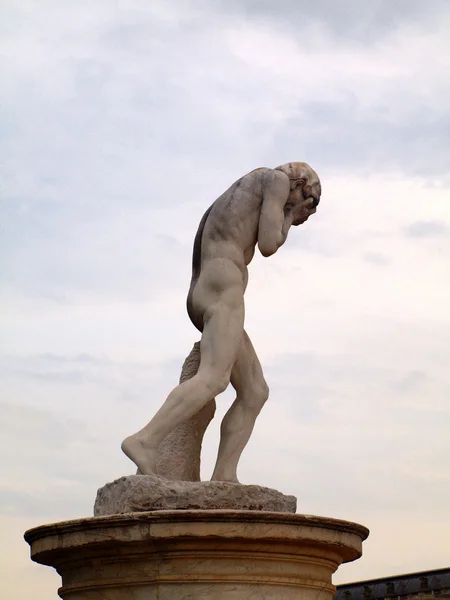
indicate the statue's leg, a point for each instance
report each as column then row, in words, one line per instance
column 251, row 388
column 179, row 452
column 222, row 334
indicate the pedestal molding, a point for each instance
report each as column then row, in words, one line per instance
column 176, row 555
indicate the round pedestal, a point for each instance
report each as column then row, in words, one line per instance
column 197, row 555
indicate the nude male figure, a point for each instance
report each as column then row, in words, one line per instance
column 258, row 209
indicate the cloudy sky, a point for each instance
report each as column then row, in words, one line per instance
column 121, row 123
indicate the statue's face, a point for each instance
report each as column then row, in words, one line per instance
column 307, row 188
column 304, row 180
column 312, row 189
column 296, row 196
column 305, row 196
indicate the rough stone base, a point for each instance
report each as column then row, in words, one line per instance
column 140, row 493
column 197, row 555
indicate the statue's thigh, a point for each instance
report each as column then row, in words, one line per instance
column 222, row 335
column 247, row 370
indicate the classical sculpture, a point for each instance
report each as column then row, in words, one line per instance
column 258, row 209
column 163, row 533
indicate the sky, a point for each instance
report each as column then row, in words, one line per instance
column 120, row 124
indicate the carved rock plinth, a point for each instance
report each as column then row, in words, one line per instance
column 197, row 555
column 142, row 493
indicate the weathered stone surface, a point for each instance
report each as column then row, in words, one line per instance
column 140, row 493
column 179, row 453
column 197, row 555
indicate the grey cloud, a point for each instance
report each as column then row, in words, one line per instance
column 45, row 479
column 377, row 259
column 23, row 429
column 336, row 368
column 83, row 368
column 427, row 229
column 83, row 358
column 322, row 245
column 411, row 381
column 72, row 377
column 348, row 20
column 121, row 130
column 57, row 260
column 334, row 136
column 64, row 501
column 13, row 417
column 51, row 368
column 86, row 391
column 118, row 123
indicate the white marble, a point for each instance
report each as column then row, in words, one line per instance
column 178, row 456
column 258, row 210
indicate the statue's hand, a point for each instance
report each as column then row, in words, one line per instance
column 302, row 210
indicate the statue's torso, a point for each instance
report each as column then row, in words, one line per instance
column 228, row 233
column 231, row 228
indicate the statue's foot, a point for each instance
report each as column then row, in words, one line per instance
column 143, row 456
column 228, row 477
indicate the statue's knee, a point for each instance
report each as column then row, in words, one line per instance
column 222, row 383
column 266, row 391
column 216, row 384
column 257, row 398
column 262, row 392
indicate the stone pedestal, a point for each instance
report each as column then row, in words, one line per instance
column 146, row 493
column 197, row 555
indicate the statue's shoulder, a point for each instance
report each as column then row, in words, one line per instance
column 259, row 172
column 267, row 174
column 254, row 181
column 258, row 176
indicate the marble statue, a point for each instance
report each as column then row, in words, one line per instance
column 257, row 210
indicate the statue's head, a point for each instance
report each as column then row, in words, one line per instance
column 304, row 181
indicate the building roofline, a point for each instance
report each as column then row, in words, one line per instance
column 390, row 577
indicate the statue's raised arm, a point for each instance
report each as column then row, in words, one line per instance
column 284, row 205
